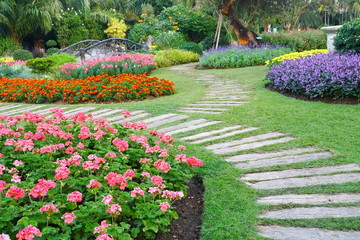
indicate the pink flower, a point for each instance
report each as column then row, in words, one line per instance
column 144, row 160
column 75, row 196
column 164, row 153
column 4, row 237
column 42, row 187
column 173, row 195
column 181, row 147
column 129, row 174
column 114, row 179
column 137, row 192
column 107, row 199
column 120, row 144
column 15, row 192
column 2, row 185
column 164, row 206
column 89, row 165
column 104, row 237
column 162, row 165
column 2, row 168
column 28, row 233
column 114, row 209
column 49, row 208
column 102, row 228
column 156, row 180
column 145, row 174
column 194, row 162
column 154, row 190
column 16, row 178
column 17, row 163
column 80, row 146
column 126, row 113
column 111, row 155
column 94, row 184
column 68, row 217
column 62, row 173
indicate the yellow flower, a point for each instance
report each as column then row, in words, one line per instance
column 140, row 21
column 179, row 13
column 143, row 15
column 170, row 17
column 296, row 55
column 175, row 23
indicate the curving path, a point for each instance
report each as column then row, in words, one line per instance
column 222, row 97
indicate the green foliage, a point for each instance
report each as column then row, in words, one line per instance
column 22, row 54
column 116, row 28
column 40, row 65
column 15, row 71
column 51, row 43
column 60, row 59
column 208, row 41
column 170, row 57
column 51, row 51
column 140, row 32
column 299, row 41
column 167, row 40
column 348, row 37
column 193, row 47
column 7, row 46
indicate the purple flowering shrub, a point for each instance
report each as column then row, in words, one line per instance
column 335, row 75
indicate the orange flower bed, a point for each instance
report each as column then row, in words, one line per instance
column 102, row 88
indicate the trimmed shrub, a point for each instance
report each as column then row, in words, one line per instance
column 51, row 51
column 51, row 43
column 62, row 58
column 7, row 46
column 348, row 37
column 40, row 65
column 299, row 41
column 294, row 55
column 335, row 75
column 193, row 47
column 170, row 57
column 241, row 56
column 22, row 54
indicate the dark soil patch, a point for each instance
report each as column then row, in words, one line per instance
column 331, row 100
column 188, row 225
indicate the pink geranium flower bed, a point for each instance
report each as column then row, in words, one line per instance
column 82, row 178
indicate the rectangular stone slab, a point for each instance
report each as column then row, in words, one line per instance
column 7, row 107
column 312, row 213
column 315, row 199
column 205, row 109
column 252, row 145
column 160, row 117
column 168, row 120
column 109, row 113
column 47, row 111
column 100, row 111
column 182, row 125
column 236, row 132
column 222, row 102
column 77, row 110
column 278, row 232
column 198, row 111
column 131, row 118
column 21, row 110
column 189, row 128
column 307, row 181
column 299, row 172
column 211, row 133
column 267, row 155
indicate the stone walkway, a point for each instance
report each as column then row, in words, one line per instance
column 221, row 97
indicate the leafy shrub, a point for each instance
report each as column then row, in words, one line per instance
column 7, row 46
column 335, row 75
column 170, row 57
column 167, row 40
column 102, row 88
column 112, row 65
column 60, row 59
column 208, row 41
column 51, row 51
column 51, row 43
column 193, row 47
column 6, row 59
column 116, row 28
column 347, row 37
column 40, row 65
column 81, row 178
column 16, row 69
column 140, row 32
column 299, row 41
column 241, row 56
column 22, row 55
column 294, row 55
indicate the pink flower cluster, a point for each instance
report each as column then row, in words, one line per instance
column 28, row 233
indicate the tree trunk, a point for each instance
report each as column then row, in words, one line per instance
column 244, row 35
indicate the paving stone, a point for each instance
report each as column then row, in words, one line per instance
column 278, row 232
column 252, row 145
column 166, row 121
column 198, row 111
column 283, row 160
column 309, row 199
column 131, row 118
column 160, row 117
column 204, row 108
column 217, row 102
column 306, row 181
column 257, row 156
column 210, row 133
column 21, row 110
column 223, row 98
column 246, row 140
column 235, row 132
column 182, row 125
column 300, row 172
column 313, row 213
column 77, row 110
column 7, row 107
column 109, row 113
column 95, row 114
column 193, row 127
column 47, row 111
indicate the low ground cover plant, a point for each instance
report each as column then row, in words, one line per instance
column 15, row 69
column 171, row 57
column 335, row 75
column 113, row 65
column 101, row 88
column 299, row 41
column 240, row 56
column 294, row 55
column 82, row 178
